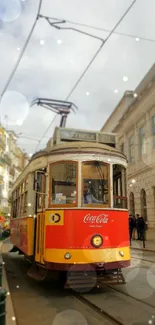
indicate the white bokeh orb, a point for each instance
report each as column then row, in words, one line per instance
column 151, row 276
column 10, row 10
column 70, row 317
column 14, row 108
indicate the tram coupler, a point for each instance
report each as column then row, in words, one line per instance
column 2, row 306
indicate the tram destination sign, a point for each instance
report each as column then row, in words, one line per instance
column 106, row 138
column 64, row 134
column 77, row 135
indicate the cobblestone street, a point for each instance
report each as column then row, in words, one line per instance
column 43, row 303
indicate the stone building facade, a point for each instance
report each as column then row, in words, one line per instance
column 12, row 162
column 133, row 120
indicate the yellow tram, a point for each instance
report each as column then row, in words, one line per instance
column 69, row 209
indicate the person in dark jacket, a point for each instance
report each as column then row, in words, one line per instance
column 130, row 226
column 134, row 233
column 140, row 227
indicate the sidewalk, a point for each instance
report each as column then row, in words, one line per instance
column 138, row 245
column 10, row 315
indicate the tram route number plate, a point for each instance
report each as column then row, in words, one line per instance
column 56, row 218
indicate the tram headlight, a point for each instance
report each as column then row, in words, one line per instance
column 97, row 241
column 68, row 256
column 121, row 253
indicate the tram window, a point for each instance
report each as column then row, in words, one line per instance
column 119, row 187
column 63, row 183
column 95, row 183
column 41, row 189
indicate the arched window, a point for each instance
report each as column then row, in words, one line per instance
column 132, row 204
column 143, row 204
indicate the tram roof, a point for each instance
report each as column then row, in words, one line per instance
column 78, row 147
column 69, row 148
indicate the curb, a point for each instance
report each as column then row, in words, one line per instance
column 143, row 249
column 10, row 313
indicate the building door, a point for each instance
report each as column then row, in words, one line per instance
column 143, row 204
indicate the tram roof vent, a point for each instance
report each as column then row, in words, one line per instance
column 62, row 135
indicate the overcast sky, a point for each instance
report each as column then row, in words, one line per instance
column 54, row 60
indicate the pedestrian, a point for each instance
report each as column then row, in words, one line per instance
column 134, row 228
column 138, row 226
column 130, row 227
column 142, row 227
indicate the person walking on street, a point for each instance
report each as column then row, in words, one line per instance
column 138, row 226
column 141, row 226
column 134, row 228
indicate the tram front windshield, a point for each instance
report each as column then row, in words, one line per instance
column 95, row 183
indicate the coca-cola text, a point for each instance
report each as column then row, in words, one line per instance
column 100, row 219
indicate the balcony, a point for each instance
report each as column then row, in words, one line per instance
column 2, row 143
column 11, row 184
column 18, row 168
column 2, row 161
column 12, row 171
column 7, row 159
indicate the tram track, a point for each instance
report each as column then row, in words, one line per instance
column 98, row 310
column 143, row 259
column 98, row 307
column 128, row 295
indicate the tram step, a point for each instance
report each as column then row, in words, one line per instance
column 37, row 273
column 80, row 280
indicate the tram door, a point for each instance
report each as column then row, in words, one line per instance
column 40, row 190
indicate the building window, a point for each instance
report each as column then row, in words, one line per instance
column 63, row 184
column 131, row 149
column 142, row 141
column 132, row 204
column 153, row 131
column 143, row 204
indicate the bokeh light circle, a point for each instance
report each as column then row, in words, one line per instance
column 151, row 277
column 70, row 317
column 131, row 275
column 14, row 107
column 88, row 278
column 140, row 291
column 10, row 10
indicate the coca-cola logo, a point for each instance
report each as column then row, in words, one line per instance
column 100, row 219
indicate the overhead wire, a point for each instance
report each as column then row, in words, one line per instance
column 54, row 25
column 99, row 28
column 93, row 59
column 22, row 51
column 43, row 136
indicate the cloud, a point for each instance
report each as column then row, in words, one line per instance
column 53, row 69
